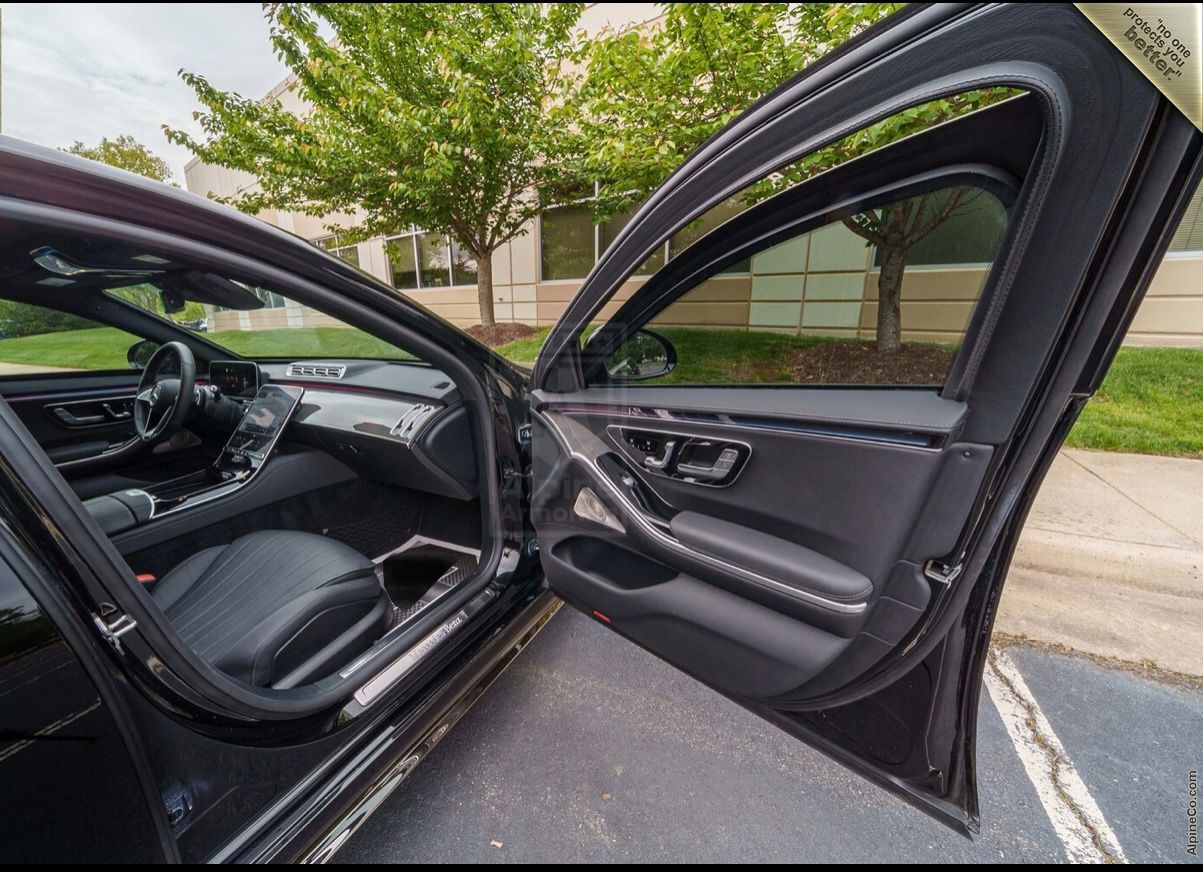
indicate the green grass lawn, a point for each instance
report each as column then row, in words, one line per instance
column 105, row 347
column 1150, row 403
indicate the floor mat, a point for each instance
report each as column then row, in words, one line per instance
column 381, row 531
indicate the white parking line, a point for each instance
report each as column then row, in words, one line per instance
column 1072, row 810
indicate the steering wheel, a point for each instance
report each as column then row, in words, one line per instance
column 163, row 401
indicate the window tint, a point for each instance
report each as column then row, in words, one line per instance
column 426, row 260
column 568, row 243
column 434, row 263
column 402, row 262
column 1189, row 235
column 349, row 253
column 463, row 266
column 806, row 310
column 36, row 339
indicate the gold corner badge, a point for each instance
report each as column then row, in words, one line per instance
column 1164, row 41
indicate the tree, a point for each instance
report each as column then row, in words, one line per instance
column 444, row 116
column 646, row 100
column 125, row 153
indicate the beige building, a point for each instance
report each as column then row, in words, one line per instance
column 823, row 282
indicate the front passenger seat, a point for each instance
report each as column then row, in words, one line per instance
column 276, row 608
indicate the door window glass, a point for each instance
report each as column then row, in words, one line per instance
column 881, row 297
column 37, row 339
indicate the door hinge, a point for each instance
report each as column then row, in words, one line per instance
column 942, row 572
column 113, row 624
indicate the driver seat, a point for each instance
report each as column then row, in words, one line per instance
column 276, row 608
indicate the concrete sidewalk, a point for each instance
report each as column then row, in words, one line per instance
column 1111, row 560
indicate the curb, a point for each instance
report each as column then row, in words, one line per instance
column 1146, row 567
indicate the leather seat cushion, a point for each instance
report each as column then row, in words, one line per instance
column 268, row 601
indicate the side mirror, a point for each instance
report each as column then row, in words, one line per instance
column 139, row 353
column 644, row 355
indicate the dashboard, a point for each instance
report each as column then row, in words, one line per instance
column 397, row 422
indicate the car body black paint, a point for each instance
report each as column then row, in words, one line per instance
column 196, row 785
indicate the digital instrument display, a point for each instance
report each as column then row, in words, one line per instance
column 235, row 378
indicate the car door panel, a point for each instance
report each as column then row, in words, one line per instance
column 841, row 579
column 75, row 419
column 814, row 527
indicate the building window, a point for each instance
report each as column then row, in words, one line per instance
column 571, row 242
column 428, row 260
column 568, row 240
column 345, row 251
column 1189, row 236
column 463, row 266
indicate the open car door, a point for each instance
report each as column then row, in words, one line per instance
column 830, row 555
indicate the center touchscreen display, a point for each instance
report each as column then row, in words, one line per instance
column 235, row 378
column 263, row 420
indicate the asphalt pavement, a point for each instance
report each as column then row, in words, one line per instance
column 590, row 750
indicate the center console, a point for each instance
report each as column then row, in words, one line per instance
column 246, row 452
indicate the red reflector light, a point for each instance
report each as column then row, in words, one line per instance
column 146, row 578
column 600, row 616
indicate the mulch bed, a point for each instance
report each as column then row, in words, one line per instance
column 860, row 363
column 500, row 334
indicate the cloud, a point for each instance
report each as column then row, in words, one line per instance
column 79, row 72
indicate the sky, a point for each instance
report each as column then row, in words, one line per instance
column 79, row 72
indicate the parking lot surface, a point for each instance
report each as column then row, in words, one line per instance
column 588, row 749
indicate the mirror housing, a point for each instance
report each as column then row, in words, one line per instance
column 139, row 353
column 644, row 355
column 173, row 301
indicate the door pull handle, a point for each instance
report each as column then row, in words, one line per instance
column 664, row 459
column 721, row 468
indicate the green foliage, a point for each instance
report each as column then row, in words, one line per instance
column 125, row 153
column 648, row 100
column 445, row 116
column 24, row 319
column 1151, row 402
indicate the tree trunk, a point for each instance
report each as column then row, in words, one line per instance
column 484, row 287
column 889, row 299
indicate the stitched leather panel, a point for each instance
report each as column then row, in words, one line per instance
column 233, row 604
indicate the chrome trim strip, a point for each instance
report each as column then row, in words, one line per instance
column 397, row 670
column 108, row 452
column 337, row 835
column 650, row 529
column 614, row 431
column 847, row 433
column 315, row 370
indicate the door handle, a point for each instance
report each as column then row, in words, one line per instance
column 664, row 459
column 721, row 468
column 77, row 421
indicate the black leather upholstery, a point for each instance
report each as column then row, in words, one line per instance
column 276, row 607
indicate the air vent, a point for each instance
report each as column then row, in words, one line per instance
column 316, row 370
